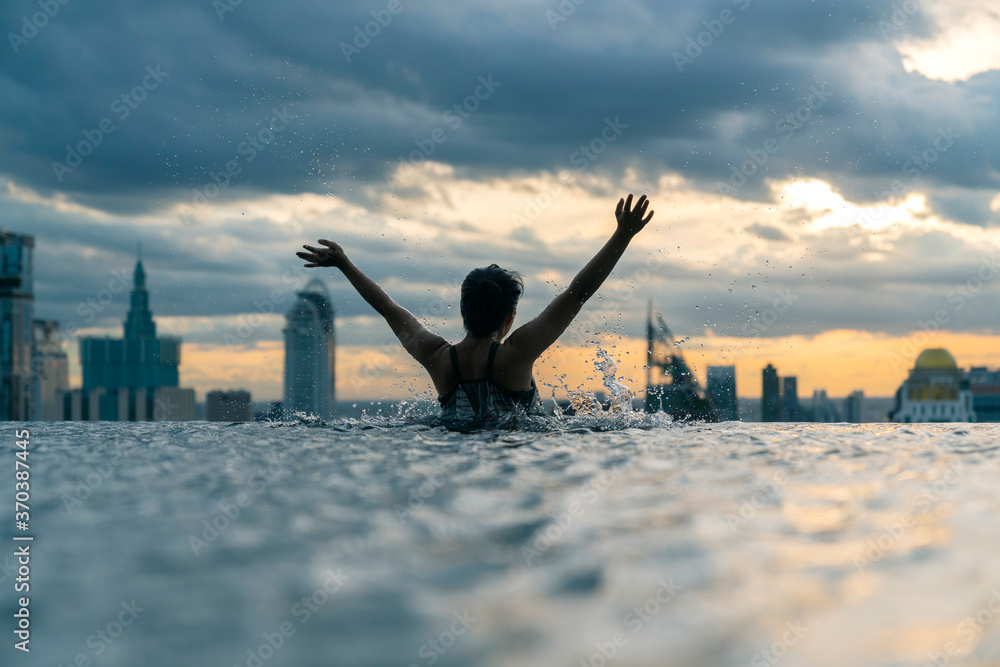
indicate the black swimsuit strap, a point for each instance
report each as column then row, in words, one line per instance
column 489, row 360
column 454, row 363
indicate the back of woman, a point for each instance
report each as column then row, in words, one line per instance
column 487, row 376
column 484, row 402
column 479, row 396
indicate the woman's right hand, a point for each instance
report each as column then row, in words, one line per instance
column 332, row 255
column 630, row 221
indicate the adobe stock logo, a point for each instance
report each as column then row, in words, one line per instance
column 38, row 20
column 372, row 29
column 454, row 117
column 714, row 28
column 900, row 16
column 122, row 107
column 785, row 128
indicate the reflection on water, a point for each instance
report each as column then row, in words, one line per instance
column 588, row 541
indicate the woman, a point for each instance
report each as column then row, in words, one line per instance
column 485, row 376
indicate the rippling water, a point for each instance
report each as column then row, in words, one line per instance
column 383, row 543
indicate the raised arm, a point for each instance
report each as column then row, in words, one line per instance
column 536, row 336
column 421, row 343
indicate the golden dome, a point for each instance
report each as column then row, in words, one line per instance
column 937, row 359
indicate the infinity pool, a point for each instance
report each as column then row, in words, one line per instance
column 387, row 542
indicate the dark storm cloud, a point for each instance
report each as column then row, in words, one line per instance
column 217, row 272
column 226, row 73
column 179, row 97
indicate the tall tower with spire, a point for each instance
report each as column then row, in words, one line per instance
column 135, row 377
column 139, row 321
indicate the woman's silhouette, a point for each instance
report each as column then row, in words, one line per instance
column 489, row 373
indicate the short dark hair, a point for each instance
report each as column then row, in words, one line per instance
column 489, row 294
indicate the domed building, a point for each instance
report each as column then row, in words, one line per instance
column 936, row 391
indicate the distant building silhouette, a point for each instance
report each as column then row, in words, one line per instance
column 310, row 353
column 854, row 407
column 173, row 404
column 671, row 387
column 935, row 391
column 823, row 409
column 790, row 411
column 16, row 328
column 133, row 378
column 770, row 404
column 228, row 406
column 51, row 372
column 985, row 386
column 140, row 359
column 721, row 386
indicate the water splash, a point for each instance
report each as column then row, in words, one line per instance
column 585, row 409
column 621, row 396
column 585, row 402
column 297, row 418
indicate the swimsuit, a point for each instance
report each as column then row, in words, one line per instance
column 477, row 403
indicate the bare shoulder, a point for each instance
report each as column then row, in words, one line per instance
column 512, row 366
column 438, row 365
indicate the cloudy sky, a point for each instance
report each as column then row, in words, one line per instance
column 825, row 175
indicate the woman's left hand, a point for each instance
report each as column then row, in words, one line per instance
column 332, row 255
column 631, row 220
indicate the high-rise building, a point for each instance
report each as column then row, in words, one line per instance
column 134, row 378
column 854, row 406
column 16, row 327
column 985, row 386
column 770, row 404
column 140, row 359
column 823, row 409
column 935, row 391
column 721, row 386
column 50, row 370
column 170, row 404
column 227, row 406
column 310, row 353
column 790, row 411
column 81, row 405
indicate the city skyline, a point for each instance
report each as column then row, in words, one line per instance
column 123, row 379
column 822, row 196
column 877, row 360
column 141, row 319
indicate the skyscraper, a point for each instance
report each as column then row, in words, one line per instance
column 16, row 328
column 722, row 388
column 985, row 387
column 140, row 359
column 770, row 404
column 310, row 353
column 823, row 409
column 790, row 411
column 854, row 406
column 134, row 378
column 51, row 372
